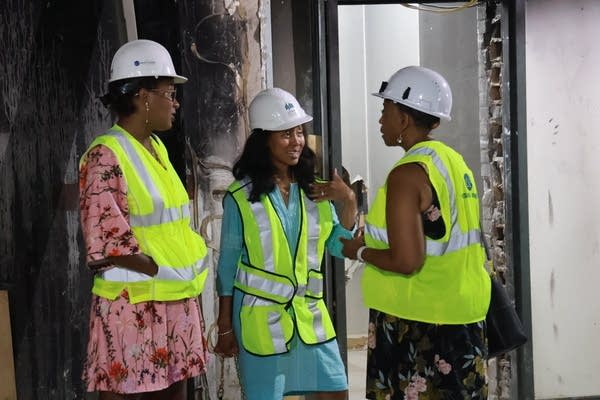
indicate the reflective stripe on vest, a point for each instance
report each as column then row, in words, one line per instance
column 119, row 274
column 452, row 285
column 277, row 279
column 266, row 237
column 312, row 223
column 274, row 325
column 264, row 227
column 318, row 321
column 162, row 233
column 458, row 239
column 160, row 214
column 265, row 285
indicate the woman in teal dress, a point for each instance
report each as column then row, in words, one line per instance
column 277, row 222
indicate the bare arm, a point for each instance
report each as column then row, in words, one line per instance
column 226, row 343
column 408, row 195
column 136, row 262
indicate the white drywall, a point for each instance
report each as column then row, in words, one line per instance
column 374, row 42
column 563, row 116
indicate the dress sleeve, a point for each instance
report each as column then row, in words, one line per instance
column 104, row 209
column 231, row 246
column 334, row 246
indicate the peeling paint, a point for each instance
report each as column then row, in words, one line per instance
column 231, row 6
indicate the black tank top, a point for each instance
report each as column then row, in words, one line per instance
column 433, row 223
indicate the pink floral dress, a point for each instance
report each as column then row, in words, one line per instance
column 132, row 348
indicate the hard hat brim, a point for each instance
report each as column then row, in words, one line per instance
column 289, row 124
column 399, row 101
column 178, row 79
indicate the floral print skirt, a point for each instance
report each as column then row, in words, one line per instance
column 143, row 347
column 415, row 360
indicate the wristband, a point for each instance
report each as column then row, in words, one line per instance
column 359, row 253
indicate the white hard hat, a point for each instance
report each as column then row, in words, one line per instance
column 140, row 58
column 276, row 110
column 419, row 88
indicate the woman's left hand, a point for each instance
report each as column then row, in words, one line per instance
column 334, row 190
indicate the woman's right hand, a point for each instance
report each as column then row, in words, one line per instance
column 226, row 344
column 136, row 262
column 351, row 246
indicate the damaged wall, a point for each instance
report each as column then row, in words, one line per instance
column 54, row 65
column 54, row 61
column 495, row 137
column 223, row 56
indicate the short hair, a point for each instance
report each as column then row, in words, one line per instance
column 421, row 119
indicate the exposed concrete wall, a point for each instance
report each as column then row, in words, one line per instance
column 227, row 62
column 53, row 68
column 448, row 45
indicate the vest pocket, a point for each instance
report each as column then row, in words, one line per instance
column 266, row 327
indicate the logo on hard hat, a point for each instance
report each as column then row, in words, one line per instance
column 138, row 63
column 289, row 106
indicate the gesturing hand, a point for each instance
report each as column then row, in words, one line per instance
column 335, row 190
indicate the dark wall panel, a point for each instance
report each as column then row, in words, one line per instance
column 213, row 54
column 52, row 68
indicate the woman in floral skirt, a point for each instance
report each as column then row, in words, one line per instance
column 146, row 326
column 425, row 280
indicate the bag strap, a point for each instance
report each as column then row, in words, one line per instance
column 488, row 255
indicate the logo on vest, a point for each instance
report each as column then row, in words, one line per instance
column 468, row 182
column 469, row 185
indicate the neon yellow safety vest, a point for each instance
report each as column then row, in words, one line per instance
column 159, row 217
column 452, row 287
column 282, row 292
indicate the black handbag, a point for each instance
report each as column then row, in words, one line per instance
column 504, row 328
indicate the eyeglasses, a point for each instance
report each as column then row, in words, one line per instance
column 170, row 94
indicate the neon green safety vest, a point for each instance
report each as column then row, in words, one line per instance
column 282, row 292
column 452, row 287
column 159, row 217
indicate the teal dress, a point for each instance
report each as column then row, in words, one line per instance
column 305, row 368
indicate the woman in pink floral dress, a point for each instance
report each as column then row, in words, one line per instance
column 146, row 337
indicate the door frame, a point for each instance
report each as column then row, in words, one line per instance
column 514, row 83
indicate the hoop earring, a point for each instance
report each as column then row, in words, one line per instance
column 399, row 140
column 147, row 111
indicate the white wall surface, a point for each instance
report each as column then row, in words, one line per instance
column 563, row 142
column 374, row 42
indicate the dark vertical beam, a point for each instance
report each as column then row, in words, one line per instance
column 518, row 214
column 155, row 20
column 329, row 87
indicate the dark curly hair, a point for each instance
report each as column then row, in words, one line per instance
column 255, row 164
column 119, row 98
